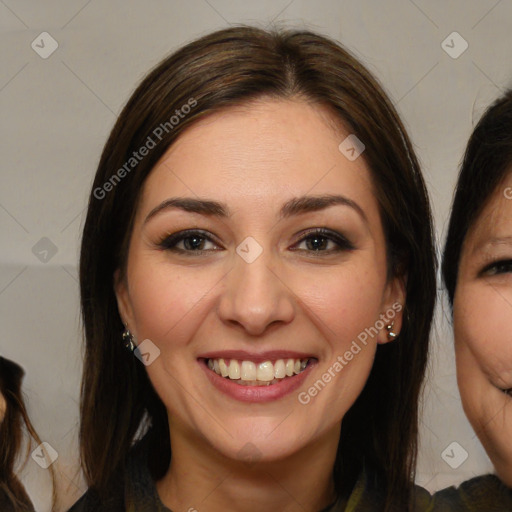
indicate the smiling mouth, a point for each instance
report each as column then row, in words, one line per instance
column 266, row 373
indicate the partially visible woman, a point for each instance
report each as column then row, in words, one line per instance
column 13, row 496
column 477, row 271
column 14, row 420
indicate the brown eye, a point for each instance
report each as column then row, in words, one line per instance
column 193, row 242
column 317, row 239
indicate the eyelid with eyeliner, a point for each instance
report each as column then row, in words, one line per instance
column 169, row 241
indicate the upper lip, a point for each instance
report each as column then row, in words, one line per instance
column 256, row 357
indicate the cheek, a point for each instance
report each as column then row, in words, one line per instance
column 344, row 305
column 483, row 322
column 349, row 302
column 163, row 296
column 483, row 340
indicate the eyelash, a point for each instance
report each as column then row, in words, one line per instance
column 497, row 267
column 169, row 243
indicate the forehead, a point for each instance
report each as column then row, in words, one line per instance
column 261, row 149
column 495, row 220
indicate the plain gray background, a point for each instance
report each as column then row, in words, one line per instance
column 57, row 113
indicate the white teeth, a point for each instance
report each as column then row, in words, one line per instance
column 234, row 369
column 252, row 374
column 265, row 371
column 223, row 368
column 248, row 371
column 280, row 369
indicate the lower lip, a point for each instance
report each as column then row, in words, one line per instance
column 256, row 393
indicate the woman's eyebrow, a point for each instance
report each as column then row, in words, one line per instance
column 294, row 206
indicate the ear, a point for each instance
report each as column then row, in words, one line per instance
column 124, row 305
column 392, row 309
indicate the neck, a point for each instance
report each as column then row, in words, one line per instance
column 200, row 478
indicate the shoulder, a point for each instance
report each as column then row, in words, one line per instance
column 92, row 502
column 486, row 492
column 369, row 494
column 88, row 502
column 131, row 486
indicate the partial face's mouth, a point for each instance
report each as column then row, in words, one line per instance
column 265, row 373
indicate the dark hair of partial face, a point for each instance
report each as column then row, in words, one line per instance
column 12, row 427
column 11, row 376
column 486, row 163
column 231, row 67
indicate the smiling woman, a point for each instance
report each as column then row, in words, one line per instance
column 278, row 224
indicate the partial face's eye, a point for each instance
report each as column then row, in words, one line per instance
column 497, row 267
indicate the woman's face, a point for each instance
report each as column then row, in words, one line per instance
column 250, row 287
column 483, row 329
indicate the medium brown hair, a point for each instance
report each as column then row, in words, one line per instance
column 228, row 68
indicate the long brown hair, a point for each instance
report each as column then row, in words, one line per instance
column 222, row 69
column 12, row 433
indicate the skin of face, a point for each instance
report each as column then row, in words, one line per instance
column 253, row 159
column 482, row 315
column 3, row 407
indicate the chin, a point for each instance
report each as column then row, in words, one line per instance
column 260, row 448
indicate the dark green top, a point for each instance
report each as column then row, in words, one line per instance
column 137, row 493
column 485, row 493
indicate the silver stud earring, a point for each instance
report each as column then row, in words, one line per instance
column 391, row 335
column 128, row 340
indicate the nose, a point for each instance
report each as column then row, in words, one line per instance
column 256, row 296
